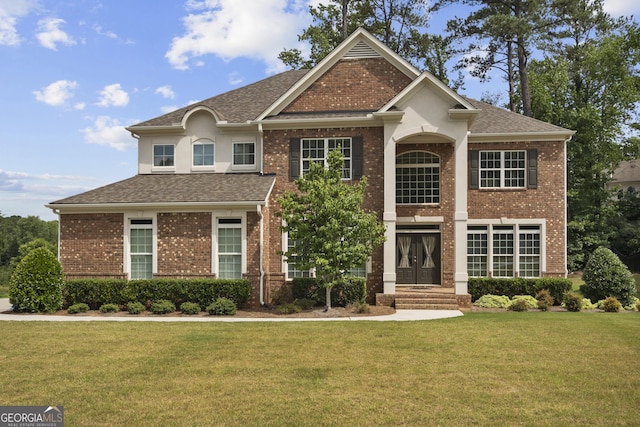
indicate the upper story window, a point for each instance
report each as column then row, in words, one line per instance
column 244, row 154
column 317, row 150
column 417, row 178
column 163, row 155
column 512, row 169
column 203, row 153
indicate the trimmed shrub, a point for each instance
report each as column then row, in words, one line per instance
column 109, row 308
column 162, row 306
column 190, row 308
column 519, row 304
column 635, row 302
column 353, row 289
column 479, row 286
column 36, row 283
column 530, row 301
column 587, row 305
column 572, row 301
column 289, row 309
column 78, row 308
column 305, row 303
column 611, row 305
column 282, row 296
column 605, row 275
column 493, row 301
column 222, row 306
column 545, row 300
column 135, row 307
column 95, row 292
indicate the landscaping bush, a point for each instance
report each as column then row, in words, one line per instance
column 305, row 303
column 605, row 275
column 587, row 305
column 95, row 292
column 135, row 307
column 519, row 304
column 36, row 283
column 282, row 296
column 611, row 305
column 109, row 308
column 162, row 306
column 633, row 306
column 190, row 308
column 530, row 301
column 493, row 301
column 359, row 307
column 638, row 305
column 78, row 308
column 572, row 301
column 222, row 306
column 545, row 300
column 479, row 286
column 353, row 289
column 289, row 309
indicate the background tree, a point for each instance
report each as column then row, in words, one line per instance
column 325, row 219
column 590, row 82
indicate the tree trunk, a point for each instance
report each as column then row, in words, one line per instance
column 524, row 81
column 328, row 296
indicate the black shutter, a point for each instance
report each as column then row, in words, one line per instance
column 294, row 159
column 357, row 154
column 474, row 169
column 532, row 168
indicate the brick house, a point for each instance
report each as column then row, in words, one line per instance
column 464, row 188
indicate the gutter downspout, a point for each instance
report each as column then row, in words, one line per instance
column 259, row 211
column 261, row 156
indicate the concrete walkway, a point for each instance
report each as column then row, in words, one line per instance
column 399, row 316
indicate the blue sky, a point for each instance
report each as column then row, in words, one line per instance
column 74, row 73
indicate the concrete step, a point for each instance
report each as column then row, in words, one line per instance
column 426, row 306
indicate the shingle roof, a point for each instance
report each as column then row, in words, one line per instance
column 179, row 188
column 498, row 120
column 239, row 105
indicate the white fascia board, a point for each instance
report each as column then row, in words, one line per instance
column 175, row 128
column 331, row 59
column 165, row 207
column 522, row 136
column 320, row 122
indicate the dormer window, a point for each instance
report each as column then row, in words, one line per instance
column 163, row 156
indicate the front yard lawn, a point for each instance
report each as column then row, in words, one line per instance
column 481, row 369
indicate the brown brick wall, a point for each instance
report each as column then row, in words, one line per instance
column 362, row 84
column 91, row 245
column 276, row 161
column 547, row 201
column 184, row 244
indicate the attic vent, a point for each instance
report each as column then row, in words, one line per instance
column 362, row 50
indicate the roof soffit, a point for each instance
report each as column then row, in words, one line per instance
column 343, row 51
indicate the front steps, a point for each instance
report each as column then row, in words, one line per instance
column 425, row 298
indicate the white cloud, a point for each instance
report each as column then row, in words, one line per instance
column 166, row 92
column 109, row 132
column 49, row 33
column 113, row 96
column 10, row 12
column 168, row 109
column 229, row 29
column 57, row 93
column 621, row 7
column 234, row 78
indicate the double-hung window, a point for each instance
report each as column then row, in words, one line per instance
column 163, row 155
column 417, row 178
column 203, row 154
column 502, row 169
column 230, row 248
column 292, row 270
column 317, row 150
column 141, row 248
column 504, row 250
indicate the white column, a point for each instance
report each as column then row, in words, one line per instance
column 461, row 215
column 389, row 215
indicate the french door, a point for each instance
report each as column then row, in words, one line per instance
column 418, row 259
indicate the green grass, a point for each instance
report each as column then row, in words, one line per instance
column 481, row 369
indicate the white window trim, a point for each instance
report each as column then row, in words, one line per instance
column 326, row 153
column 127, row 239
column 516, row 223
column 208, row 168
column 250, row 167
column 502, row 169
column 163, row 168
column 230, row 214
column 422, row 165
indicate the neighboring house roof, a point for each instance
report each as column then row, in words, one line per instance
column 626, row 175
column 198, row 188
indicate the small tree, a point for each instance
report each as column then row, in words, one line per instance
column 36, row 283
column 606, row 276
column 325, row 218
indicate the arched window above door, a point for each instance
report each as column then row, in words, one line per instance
column 417, row 178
